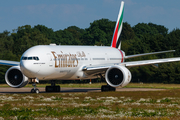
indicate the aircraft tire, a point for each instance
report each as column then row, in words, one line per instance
column 37, row 91
column 52, row 88
column 32, row 90
column 107, row 88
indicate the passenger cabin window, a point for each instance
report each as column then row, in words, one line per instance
column 30, row 58
column 98, row 58
column 115, row 58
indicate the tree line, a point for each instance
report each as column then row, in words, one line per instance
column 141, row 38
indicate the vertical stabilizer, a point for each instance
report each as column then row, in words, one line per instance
column 118, row 28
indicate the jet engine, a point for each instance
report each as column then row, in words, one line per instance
column 118, row 76
column 15, row 78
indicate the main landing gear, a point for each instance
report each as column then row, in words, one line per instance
column 106, row 88
column 53, row 87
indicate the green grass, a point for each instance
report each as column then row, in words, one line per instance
column 92, row 105
column 153, row 85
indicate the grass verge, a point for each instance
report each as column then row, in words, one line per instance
column 92, row 105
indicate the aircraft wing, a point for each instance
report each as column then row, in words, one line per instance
column 149, row 62
column 96, row 70
column 10, row 63
column 138, row 55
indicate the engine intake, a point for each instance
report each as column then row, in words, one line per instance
column 15, row 78
column 118, row 76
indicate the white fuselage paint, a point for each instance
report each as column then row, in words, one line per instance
column 66, row 62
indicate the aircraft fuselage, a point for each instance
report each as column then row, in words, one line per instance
column 48, row 62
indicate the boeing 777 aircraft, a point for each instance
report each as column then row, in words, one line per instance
column 61, row 62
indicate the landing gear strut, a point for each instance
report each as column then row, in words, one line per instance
column 53, row 87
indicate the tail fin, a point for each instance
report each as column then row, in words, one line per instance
column 118, row 28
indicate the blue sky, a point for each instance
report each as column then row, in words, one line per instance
column 60, row 14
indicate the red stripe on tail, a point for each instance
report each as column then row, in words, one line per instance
column 115, row 36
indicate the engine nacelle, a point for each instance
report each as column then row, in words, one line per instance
column 15, row 78
column 118, row 76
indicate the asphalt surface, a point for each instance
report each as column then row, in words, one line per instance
column 9, row 90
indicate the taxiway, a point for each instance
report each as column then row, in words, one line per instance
column 9, row 90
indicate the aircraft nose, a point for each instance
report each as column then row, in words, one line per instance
column 28, row 69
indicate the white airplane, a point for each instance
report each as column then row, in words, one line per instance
column 61, row 62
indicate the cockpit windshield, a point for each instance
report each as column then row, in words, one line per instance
column 30, row 58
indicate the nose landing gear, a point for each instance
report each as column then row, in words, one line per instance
column 34, row 90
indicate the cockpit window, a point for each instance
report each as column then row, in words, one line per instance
column 30, row 58
column 35, row 58
column 24, row 58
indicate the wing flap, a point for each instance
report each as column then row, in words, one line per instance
column 10, row 63
column 101, row 69
column 96, row 70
